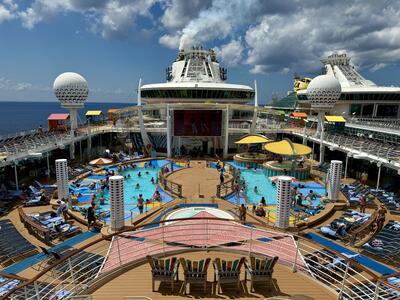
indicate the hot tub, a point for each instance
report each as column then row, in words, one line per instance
column 189, row 212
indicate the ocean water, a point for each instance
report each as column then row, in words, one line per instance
column 20, row 116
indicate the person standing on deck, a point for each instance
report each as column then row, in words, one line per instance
column 364, row 178
column 140, row 203
column 381, row 215
column 363, row 203
column 91, row 218
column 242, row 213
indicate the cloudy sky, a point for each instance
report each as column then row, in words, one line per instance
column 115, row 42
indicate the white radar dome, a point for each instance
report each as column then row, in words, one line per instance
column 323, row 92
column 71, row 88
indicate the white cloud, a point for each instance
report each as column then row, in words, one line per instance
column 11, row 85
column 170, row 41
column 8, row 10
column 231, row 53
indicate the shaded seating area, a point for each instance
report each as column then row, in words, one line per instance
column 386, row 244
column 13, row 246
column 260, row 270
column 391, row 201
column 227, row 272
column 195, row 272
column 164, row 270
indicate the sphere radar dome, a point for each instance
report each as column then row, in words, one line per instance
column 71, row 88
column 323, row 92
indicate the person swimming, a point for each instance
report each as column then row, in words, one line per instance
column 256, row 189
column 137, row 186
column 139, row 174
column 152, row 180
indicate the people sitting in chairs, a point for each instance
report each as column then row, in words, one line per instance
column 62, row 209
column 259, row 211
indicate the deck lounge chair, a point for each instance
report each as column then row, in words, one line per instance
column 227, row 272
column 163, row 270
column 260, row 270
column 195, row 272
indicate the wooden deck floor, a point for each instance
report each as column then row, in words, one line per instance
column 137, row 282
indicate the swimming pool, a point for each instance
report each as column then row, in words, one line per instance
column 131, row 191
column 258, row 178
column 189, row 212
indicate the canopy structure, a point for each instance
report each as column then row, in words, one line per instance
column 100, row 161
column 335, row 119
column 58, row 117
column 253, row 139
column 93, row 113
column 298, row 114
column 286, row 147
column 58, row 121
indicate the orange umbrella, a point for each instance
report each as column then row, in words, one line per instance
column 100, row 161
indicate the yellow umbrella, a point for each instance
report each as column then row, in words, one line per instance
column 286, row 147
column 100, row 161
column 253, row 139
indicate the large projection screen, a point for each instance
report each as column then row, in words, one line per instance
column 197, row 122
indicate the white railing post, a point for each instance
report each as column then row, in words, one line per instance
column 72, row 274
column 344, row 280
column 163, row 232
column 36, row 290
column 376, row 293
column 294, row 269
column 119, row 252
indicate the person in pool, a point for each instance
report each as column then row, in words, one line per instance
column 263, row 202
column 152, row 180
column 139, row 174
column 157, row 196
column 311, row 195
column 147, row 172
column 256, row 190
column 129, row 175
column 137, row 186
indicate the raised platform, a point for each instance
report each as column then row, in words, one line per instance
column 248, row 159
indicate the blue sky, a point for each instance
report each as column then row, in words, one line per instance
column 113, row 43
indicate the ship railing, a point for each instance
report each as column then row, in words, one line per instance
column 167, row 184
column 387, row 123
column 81, row 270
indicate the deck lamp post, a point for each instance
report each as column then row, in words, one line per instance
column 71, row 89
column 323, row 92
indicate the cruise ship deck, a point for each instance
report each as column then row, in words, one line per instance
column 193, row 193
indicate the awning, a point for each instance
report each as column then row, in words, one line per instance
column 336, row 119
column 93, row 113
column 113, row 110
column 58, row 117
column 298, row 114
column 253, row 139
column 286, row 147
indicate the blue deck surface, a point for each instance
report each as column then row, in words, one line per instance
column 361, row 259
column 34, row 259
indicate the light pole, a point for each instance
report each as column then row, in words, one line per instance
column 323, row 92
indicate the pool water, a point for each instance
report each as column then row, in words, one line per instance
column 131, row 193
column 265, row 188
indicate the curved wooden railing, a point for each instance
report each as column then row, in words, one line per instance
column 40, row 232
column 167, row 184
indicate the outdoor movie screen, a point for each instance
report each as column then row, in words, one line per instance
column 197, row 122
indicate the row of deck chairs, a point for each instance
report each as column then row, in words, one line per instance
column 391, row 201
column 31, row 141
column 363, row 144
column 342, row 227
column 322, row 168
column 13, row 246
column 353, row 191
column 225, row 272
column 45, row 290
column 364, row 291
column 386, row 244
